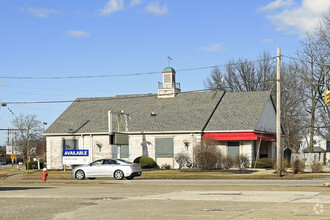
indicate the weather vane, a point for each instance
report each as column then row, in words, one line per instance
column 169, row 60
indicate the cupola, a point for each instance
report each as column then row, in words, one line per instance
column 168, row 88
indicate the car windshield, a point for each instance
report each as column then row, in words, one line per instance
column 124, row 161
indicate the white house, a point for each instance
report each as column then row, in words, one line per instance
column 319, row 153
column 164, row 124
column 319, row 143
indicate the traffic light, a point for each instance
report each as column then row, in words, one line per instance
column 326, row 96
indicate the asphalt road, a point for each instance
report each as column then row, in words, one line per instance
column 166, row 199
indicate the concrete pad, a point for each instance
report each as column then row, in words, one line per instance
column 241, row 196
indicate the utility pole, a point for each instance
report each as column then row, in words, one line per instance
column 278, row 114
column 12, row 148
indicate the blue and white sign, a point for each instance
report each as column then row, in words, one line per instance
column 75, row 153
column 75, row 157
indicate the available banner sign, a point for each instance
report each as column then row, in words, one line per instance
column 75, row 157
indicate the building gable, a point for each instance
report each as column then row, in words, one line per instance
column 267, row 120
column 238, row 111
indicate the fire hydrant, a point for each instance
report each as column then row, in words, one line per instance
column 44, row 174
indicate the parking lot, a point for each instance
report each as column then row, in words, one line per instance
column 165, row 199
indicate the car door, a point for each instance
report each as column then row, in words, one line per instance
column 108, row 167
column 95, row 169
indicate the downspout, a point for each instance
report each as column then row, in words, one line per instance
column 82, row 143
column 91, row 147
column 110, row 130
column 193, row 146
column 215, row 108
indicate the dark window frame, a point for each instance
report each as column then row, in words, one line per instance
column 65, row 144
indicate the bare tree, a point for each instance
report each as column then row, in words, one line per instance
column 293, row 116
column 29, row 131
column 314, row 57
column 322, row 33
column 243, row 75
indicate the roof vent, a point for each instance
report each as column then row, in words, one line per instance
column 152, row 114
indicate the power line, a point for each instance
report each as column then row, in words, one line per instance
column 145, row 73
column 307, row 61
column 127, row 96
column 125, row 75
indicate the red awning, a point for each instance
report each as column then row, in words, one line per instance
column 238, row 136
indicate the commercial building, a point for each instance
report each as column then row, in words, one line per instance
column 164, row 124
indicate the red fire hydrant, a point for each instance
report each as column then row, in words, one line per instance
column 44, row 174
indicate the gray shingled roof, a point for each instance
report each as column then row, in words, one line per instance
column 238, row 111
column 185, row 112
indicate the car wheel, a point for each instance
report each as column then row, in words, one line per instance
column 80, row 175
column 118, row 174
column 91, row 178
column 130, row 177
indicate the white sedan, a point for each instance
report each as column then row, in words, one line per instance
column 117, row 168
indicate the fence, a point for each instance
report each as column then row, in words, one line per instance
column 309, row 158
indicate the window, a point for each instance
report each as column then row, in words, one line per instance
column 164, row 147
column 114, row 151
column 328, row 146
column 113, row 162
column 70, row 144
column 232, row 149
column 107, row 161
column 124, row 151
column 98, row 162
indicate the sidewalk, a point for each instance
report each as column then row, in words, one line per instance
column 263, row 171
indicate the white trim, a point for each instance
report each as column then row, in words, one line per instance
column 228, row 131
column 163, row 132
column 129, row 133
column 155, row 132
column 75, row 134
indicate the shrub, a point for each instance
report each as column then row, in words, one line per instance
column 206, row 155
column 147, row 162
column 166, row 166
column 316, row 167
column 182, row 159
column 263, row 163
column 227, row 162
column 137, row 160
column 34, row 165
column 298, row 166
column 242, row 161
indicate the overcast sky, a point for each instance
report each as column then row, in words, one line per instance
column 43, row 38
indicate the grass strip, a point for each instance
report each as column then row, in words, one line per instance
column 4, row 173
column 179, row 174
